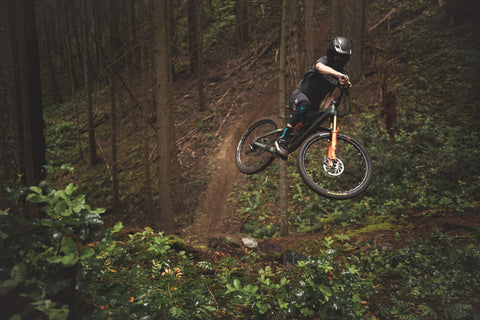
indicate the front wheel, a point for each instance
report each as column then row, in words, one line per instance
column 252, row 155
column 341, row 178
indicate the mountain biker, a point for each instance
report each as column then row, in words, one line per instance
column 321, row 80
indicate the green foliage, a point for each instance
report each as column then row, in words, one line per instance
column 59, row 138
column 430, row 279
column 41, row 256
column 220, row 16
column 61, row 268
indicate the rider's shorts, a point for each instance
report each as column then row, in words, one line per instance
column 300, row 107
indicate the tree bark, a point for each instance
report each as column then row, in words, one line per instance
column 20, row 58
column 338, row 18
column 242, row 25
column 71, row 73
column 355, row 29
column 88, row 85
column 113, row 109
column 165, row 220
column 309, row 56
column 195, row 36
column 144, row 108
column 281, row 103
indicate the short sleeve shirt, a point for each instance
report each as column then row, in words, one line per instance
column 316, row 85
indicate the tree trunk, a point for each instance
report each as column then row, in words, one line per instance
column 8, row 165
column 71, row 73
column 349, row 20
column 355, row 26
column 88, row 85
column 309, row 54
column 47, row 48
column 199, row 54
column 338, row 18
column 165, row 220
column 281, row 103
column 192, row 34
column 242, row 25
column 146, row 83
column 195, row 38
column 112, row 78
column 20, row 66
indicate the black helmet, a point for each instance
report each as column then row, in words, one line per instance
column 341, row 48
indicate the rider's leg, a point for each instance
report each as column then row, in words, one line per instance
column 301, row 106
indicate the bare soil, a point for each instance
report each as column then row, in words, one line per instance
column 214, row 216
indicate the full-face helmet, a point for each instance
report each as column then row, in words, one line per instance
column 339, row 52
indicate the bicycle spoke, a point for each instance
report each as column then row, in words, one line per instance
column 340, row 178
column 252, row 155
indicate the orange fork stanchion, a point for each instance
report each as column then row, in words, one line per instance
column 332, row 148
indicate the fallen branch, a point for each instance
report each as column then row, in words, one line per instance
column 223, row 122
column 383, row 19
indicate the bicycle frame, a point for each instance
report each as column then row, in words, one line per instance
column 314, row 126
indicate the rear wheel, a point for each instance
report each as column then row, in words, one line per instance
column 341, row 178
column 249, row 157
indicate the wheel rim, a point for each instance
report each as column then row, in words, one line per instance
column 343, row 177
column 250, row 158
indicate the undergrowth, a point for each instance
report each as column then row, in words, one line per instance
column 63, row 266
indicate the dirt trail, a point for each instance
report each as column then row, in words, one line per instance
column 213, row 216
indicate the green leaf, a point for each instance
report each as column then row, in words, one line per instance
column 18, row 274
column 70, row 189
column 176, row 312
column 60, row 208
column 69, row 260
column 68, row 246
column 117, row 227
column 86, row 252
column 36, row 198
column 78, row 203
column 236, row 284
column 36, row 189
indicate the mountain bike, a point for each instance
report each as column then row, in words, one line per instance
column 332, row 164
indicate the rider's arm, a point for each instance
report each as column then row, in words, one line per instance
column 328, row 71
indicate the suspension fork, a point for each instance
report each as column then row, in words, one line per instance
column 332, row 147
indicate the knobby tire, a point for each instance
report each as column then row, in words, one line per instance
column 251, row 159
column 343, row 178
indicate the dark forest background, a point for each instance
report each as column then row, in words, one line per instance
column 119, row 194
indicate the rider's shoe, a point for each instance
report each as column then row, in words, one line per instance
column 281, row 146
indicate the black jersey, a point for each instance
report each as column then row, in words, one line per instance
column 316, row 85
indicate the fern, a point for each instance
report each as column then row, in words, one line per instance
column 458, row 311
column 408, row 317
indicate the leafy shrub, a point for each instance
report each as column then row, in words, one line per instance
column 42, row 256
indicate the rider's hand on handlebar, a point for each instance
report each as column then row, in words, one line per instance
column 344, row 81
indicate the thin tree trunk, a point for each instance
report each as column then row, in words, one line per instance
column 281, row 103
column 113, row 92
column 199, row 54
column 52, row 81
column 242, row 25
column 88, row 86
column 309, row 56
column 145, row 108
column 73, row 83
column 165, row 220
